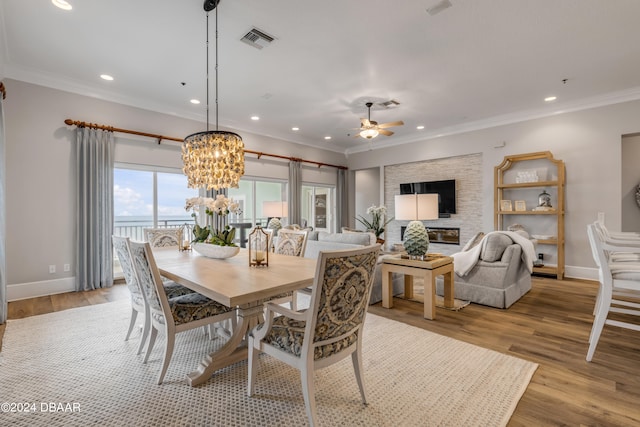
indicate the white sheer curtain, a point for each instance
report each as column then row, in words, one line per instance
column 295, row 191
column 3, row 222
column 342, row 200
column 94, row 201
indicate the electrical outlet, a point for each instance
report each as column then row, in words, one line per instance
column 52, row 269
column 67, row 267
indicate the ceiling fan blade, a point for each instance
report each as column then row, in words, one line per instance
column 390, row 124
column 365, row 123
column 385, row 132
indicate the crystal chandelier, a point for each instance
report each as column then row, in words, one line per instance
column 213, row 159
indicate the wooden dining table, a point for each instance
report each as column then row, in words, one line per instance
column 234, row 283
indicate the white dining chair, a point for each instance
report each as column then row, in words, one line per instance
column 173, row 315
column 619, row 281
column 327, row 332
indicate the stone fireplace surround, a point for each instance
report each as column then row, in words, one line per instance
column 466, row 170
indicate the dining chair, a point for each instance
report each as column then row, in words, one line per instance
column 328, row 331
column 172, row 315
column 291, row 243
column 163, row 237
column 618, row 280
column 138, row 299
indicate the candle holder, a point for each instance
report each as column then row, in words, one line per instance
column 258, row 248
column 184, row 246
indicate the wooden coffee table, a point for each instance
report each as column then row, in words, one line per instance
column 429, row 269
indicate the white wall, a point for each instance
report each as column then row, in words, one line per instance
column 367, row 192
column 40, row 173
column 588, row 141
column 630, row 182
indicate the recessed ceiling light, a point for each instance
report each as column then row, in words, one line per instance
column 295, row 129
column 420, row 127
column 327, row 137
column 62, row 4
column 106, row 77
column 550, row 98
column 255, row 118
column 195, row 101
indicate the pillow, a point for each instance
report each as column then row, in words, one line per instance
column 372, row 237
column 362, row 239
column 312, row 235
column 494, row 247
column 475, row 240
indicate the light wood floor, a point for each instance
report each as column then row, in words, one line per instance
column 549, row 326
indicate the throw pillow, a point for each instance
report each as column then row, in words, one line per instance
column 494, row 247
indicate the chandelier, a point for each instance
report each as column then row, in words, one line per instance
column 213, row 158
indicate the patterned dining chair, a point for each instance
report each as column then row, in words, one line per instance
column 172, row 315
column 327, row 332
column 138, row 299
column 291, row 243
column 163, row 237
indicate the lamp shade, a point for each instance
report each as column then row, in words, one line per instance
column 416, row 207
column 274, row 209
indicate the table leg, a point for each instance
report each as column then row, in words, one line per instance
column 234, row 350
column 387, row 293
column 448, row 289
column 408, row 286
column 429, row 295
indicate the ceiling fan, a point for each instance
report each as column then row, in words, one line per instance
column 370, row 129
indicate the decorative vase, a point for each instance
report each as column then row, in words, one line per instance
column 416, row 239
column 215, row 251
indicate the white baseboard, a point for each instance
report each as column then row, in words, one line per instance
column 39, row 289
column 581, row 273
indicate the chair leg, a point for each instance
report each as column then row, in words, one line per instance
column 168, row 352
column 356, row 358
column 293, row 304
column 598, row 324
column 308, row 391
column 134, row 316
column 145, row 332
column 152, row 341
column 252, row 365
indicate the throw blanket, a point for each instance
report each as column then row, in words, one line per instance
column 463, row 262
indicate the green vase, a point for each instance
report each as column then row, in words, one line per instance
column 416, row 239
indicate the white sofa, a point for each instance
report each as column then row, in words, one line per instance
column 321, row 241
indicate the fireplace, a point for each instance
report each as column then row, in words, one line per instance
column 444, row 235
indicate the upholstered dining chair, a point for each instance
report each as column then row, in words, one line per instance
column 291, row 243
column 619, row 281
column 327, row 332
column 138, row 298
column 173, row 315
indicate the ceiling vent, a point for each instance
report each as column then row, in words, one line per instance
column 389, row 104
column 257, row 38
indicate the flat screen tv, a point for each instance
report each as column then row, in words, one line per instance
column 446, row 191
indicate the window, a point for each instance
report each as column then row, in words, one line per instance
column 252, row 194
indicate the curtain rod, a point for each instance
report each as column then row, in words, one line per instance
column 3, row 91
column 169, row 138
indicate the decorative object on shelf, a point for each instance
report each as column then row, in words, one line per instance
column 215, row 251
column 544, row 202
column 505, row 205
column 377, row 223
column 275, row 210
column 217, row 232
column 416, row 208
column 258, row 248
column 521, row 205
column 213, row 159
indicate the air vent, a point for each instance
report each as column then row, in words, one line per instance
column 389, row 104
column 257, row 38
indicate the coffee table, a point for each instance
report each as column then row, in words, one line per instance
column 429, row 269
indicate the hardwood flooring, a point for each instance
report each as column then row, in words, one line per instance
column 549, row 326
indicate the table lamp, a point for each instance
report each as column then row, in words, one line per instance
column 275, row 210
column 416, row 208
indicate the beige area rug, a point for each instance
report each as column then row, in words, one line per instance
column 78, row 359
column 418, row 295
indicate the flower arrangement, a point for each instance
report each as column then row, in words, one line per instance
column 217, row 232
column 377, row 224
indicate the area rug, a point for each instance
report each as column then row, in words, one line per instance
column 73, row 368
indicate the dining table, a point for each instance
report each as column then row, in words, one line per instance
column 234, row 283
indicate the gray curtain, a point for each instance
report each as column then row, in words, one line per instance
column 342, row 200
column 3, row 222
column 94, row 201
column 295, row 191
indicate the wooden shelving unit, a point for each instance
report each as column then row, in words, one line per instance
column 506, row 188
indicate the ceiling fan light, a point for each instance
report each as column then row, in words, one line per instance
column 369, row 133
